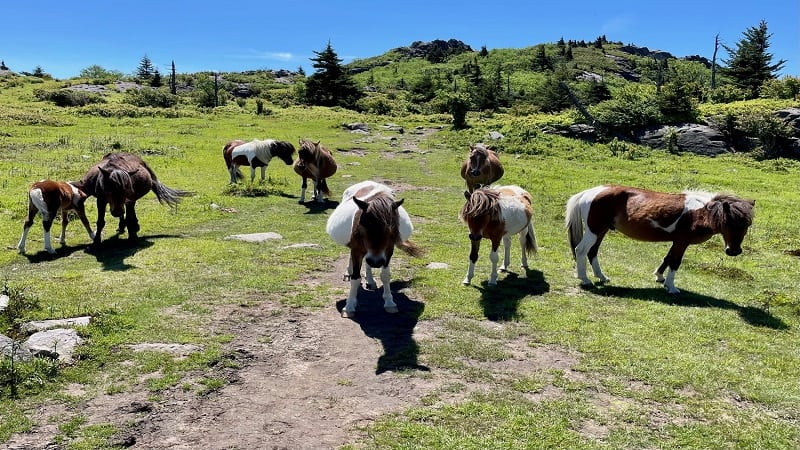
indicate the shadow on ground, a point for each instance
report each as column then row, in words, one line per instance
column 395, row 331
column 501, row 302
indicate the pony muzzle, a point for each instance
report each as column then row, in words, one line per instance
column 733, row 251
column 475, row 172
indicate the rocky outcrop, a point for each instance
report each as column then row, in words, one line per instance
column 692, row 137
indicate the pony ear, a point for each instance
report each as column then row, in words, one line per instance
column 361, row 203
column 105, row 171
column 131, row 172
column 726, row 208
column 467, row 195
column 398, row 203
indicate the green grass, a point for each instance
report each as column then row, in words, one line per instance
column 716, row 367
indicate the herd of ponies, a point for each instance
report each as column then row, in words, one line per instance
column 371, row 221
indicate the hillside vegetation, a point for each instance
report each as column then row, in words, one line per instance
column 535, row 362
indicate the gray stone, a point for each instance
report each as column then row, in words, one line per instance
column 41, row 325
column 495, row 135
column 59, row 343
column 254, row 237
column 437, row 266
column 3, row 302
column 692, row 137
column 8, row 348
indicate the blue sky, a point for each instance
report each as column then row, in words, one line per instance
column 65, row 37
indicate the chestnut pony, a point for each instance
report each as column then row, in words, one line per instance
column 481, row 168
column 496, row 213
column 255, row 153
column 687, row 218
column 118, row 181
column 316, row 162
column 371, row 223
column 48, row 197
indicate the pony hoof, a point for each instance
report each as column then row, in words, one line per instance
column 372, row 286
column 391, row 309
column 348, row 314
column 492, row 283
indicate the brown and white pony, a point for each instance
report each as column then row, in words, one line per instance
column 684, row 219
column 496, row 213
column 48, row 197
column 371, row 223
column 481, row 168
column 255, row 153
column 118, row 181
column 316, row 162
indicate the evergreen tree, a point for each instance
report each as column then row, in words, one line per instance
column 38, row 72
column 540, row 60
column 173, row 81
column 330, row 85
column 156, row 80
column 145, row 69
column 749, row 63
column 3, row 65
column 484, row 53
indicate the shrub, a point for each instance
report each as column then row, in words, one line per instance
column 68, row 97
column 784, row 88
column 633, row 106
column 771, row 131
column 156, row 98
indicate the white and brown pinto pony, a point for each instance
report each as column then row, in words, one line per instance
column 371, row 223
column 255, row 153
column 315, row 162
column 481, row 168
column 496, row 213
column 684, row 219
column 48, row 197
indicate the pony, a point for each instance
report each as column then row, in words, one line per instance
column 371, row 223
column 687, row 218
column 255, row 153
column 118, row 181
column 316, row 162
column 496, row 213
column 481, row 168
column 48, row 197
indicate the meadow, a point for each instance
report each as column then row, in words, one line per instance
column 714, row 367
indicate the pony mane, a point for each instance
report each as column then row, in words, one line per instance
column 383, row 210
column 739, row 212
column 117, row 179
column 481, row 201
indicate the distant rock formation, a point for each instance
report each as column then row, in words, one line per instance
column 435, row 51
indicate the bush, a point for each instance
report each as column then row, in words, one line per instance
column 785, row 88
column 632, row 107
column 156, row 98
column 771, row 131
column 68, row 97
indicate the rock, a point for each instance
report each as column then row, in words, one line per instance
column 437, row 266
column 254, row 237
column 791, row 117
column 41, row 325
column 8, row 348
column 303, row 245
column 173, row 349
column 356, row 126
column 692, row 137
column 495, row 135
column 3, row 302
column 58, row 344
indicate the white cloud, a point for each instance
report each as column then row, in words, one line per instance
column 270, row 56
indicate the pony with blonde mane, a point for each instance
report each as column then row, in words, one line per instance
column 683, row 219
column 255, row 153
column 496, row 213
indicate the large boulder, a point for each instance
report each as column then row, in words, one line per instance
column 692, row 137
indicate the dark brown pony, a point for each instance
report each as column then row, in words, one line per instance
column 371, row 223
column 48, row 197
column 497, row 213
column 119, row 180
column 255, row 153
column 481, row 168
column 684, row 219
column 316, row 162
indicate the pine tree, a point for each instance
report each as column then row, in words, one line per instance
column 156, row 80
column 3, row 65
column 330, row 85
column 173, row 82
column 749, row 63
column 145, row 69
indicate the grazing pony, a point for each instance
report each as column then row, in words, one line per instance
column 316, row 162
column 48, row 197
column 371, row 223
column 496, row 213
column 481, row 168
column 255, row 153
column 118, row 180
column 683, row 219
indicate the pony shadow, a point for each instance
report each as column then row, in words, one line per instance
column 315, row 207
column 750, row 314
column 500, row 303
column 395, row 331
column 111, row 252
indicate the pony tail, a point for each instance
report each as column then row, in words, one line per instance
column 573, row 222
column 530, row 240
column 323, row 186
column 167, row 195
column 411, row 249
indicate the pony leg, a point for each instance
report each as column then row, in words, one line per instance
column 303, row 190
column 263, row 173
column 523, row 239
column 62, row 239
column 101, row 221
column 47, row 246
column 81, row 211
column 673, row 261
column 26, row 226
column 252, row 174
column 388, row 302
column 473, row 257
column 371, row 284
column 506, row 253
column 354, row 268
column 581, row 256
column 132, row 221
column 494, row 257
